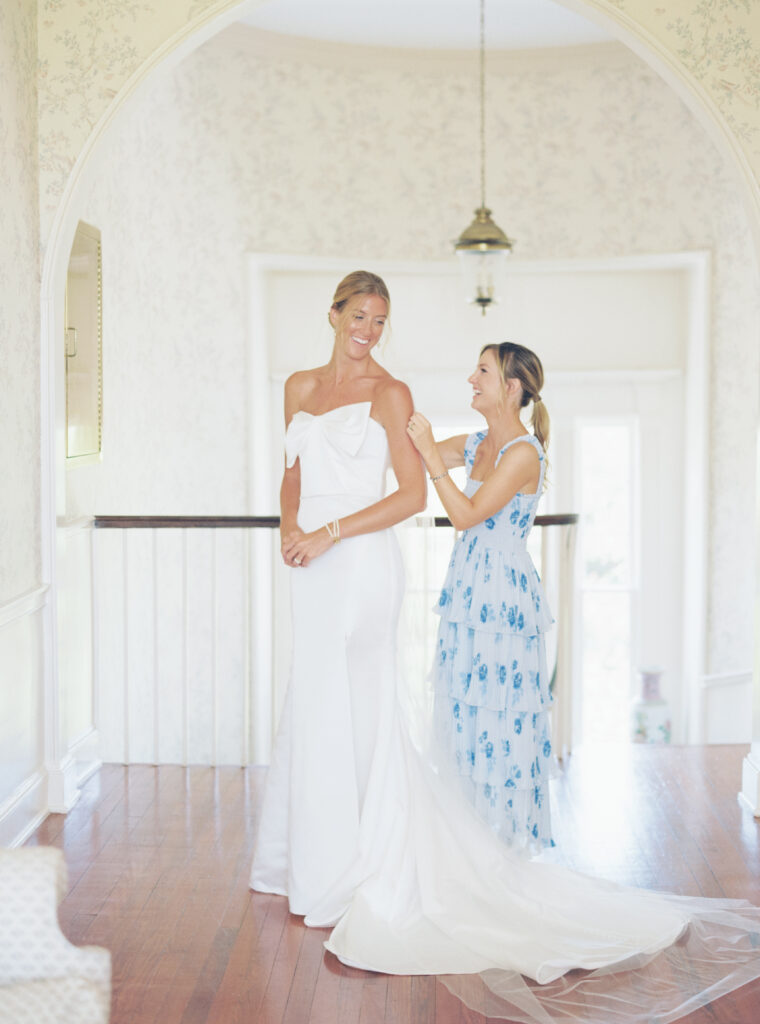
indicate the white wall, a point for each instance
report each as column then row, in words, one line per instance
column 19, row 304
column 22, row 595
column 23, row 792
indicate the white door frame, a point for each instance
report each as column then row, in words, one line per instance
column 697, row 267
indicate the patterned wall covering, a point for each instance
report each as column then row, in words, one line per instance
column 715, row 45
column 19, row 304
column 89, row 48
column 247, row 147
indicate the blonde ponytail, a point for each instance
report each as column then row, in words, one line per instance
column 539, row 421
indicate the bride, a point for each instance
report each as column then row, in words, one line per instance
column 346, row 422
column 363, row 831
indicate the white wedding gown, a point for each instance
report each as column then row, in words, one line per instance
column 361, row 832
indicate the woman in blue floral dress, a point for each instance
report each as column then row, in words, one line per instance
column 491, row 680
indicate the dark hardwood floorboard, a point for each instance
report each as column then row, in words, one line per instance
column 159, row 860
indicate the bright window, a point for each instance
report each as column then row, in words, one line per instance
column 607, row 471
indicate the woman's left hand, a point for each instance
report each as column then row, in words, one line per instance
column 306, row 547
column 421, row 434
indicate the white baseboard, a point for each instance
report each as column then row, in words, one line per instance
column 85, row 751
column 23, row 811
column 81, row 761
column 62, row 785
column 750, row 793
column 51, row 791
column 86, row 769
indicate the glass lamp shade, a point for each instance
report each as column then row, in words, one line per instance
column 484, row 273
column 482, row 249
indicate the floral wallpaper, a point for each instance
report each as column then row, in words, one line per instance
column 714, row 41
column 19, row 304
column 251, row 147
column 88, row 49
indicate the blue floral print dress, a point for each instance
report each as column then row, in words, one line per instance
column 491, row 682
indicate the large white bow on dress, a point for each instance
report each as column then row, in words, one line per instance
column 343, row 428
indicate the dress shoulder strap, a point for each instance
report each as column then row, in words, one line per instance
column 533, row 440
column 471, row 446
column 529, row 438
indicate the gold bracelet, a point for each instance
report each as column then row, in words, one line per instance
column 334, row 530
column 435, row 479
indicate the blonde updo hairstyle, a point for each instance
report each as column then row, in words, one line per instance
column 359, row 282
column 518, row 363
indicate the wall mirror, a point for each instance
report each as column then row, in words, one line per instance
column 83, row 345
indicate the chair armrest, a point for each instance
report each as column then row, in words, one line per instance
column 32, row 947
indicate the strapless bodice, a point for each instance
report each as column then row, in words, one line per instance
column 341, row 452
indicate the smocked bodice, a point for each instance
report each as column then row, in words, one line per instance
column 509, row 527
column 492, row 583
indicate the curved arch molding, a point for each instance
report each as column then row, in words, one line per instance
column 709, row 54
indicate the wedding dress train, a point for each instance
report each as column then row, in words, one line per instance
column 362, row 830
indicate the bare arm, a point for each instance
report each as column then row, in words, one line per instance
column 392, row 408
column 516, row 470
column 452, row 450
column 290, row 494
column 290, row 488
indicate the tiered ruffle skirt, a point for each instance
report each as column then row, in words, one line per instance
column 493, row 689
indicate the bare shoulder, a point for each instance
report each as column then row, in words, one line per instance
column 520, row 456
column 392, row 399
column 298, row 387
column 300, row 384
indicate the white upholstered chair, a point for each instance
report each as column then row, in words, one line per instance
column 44, row 978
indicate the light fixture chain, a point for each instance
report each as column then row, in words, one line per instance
column 482, row 102
column 482, row 245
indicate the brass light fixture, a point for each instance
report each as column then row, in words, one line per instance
column 482, row 247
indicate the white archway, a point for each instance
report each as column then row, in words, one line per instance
column 173, row 51
column 641, row 42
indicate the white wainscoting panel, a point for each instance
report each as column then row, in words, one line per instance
column 179, row 652
column 78, row 735
column 231, row 628
column 170, row 648
column 109, row 548
column 140, row 696
column 193, row 638
column 201, row 639
column 23, row 794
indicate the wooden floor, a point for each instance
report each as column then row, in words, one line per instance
column 159, row 860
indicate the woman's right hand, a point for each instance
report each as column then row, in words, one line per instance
column 421, row 435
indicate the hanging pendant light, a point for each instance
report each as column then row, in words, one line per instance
column 483, row 247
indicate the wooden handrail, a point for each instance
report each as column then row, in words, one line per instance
column 255, row 522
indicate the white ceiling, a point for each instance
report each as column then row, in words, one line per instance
column 425, row 24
